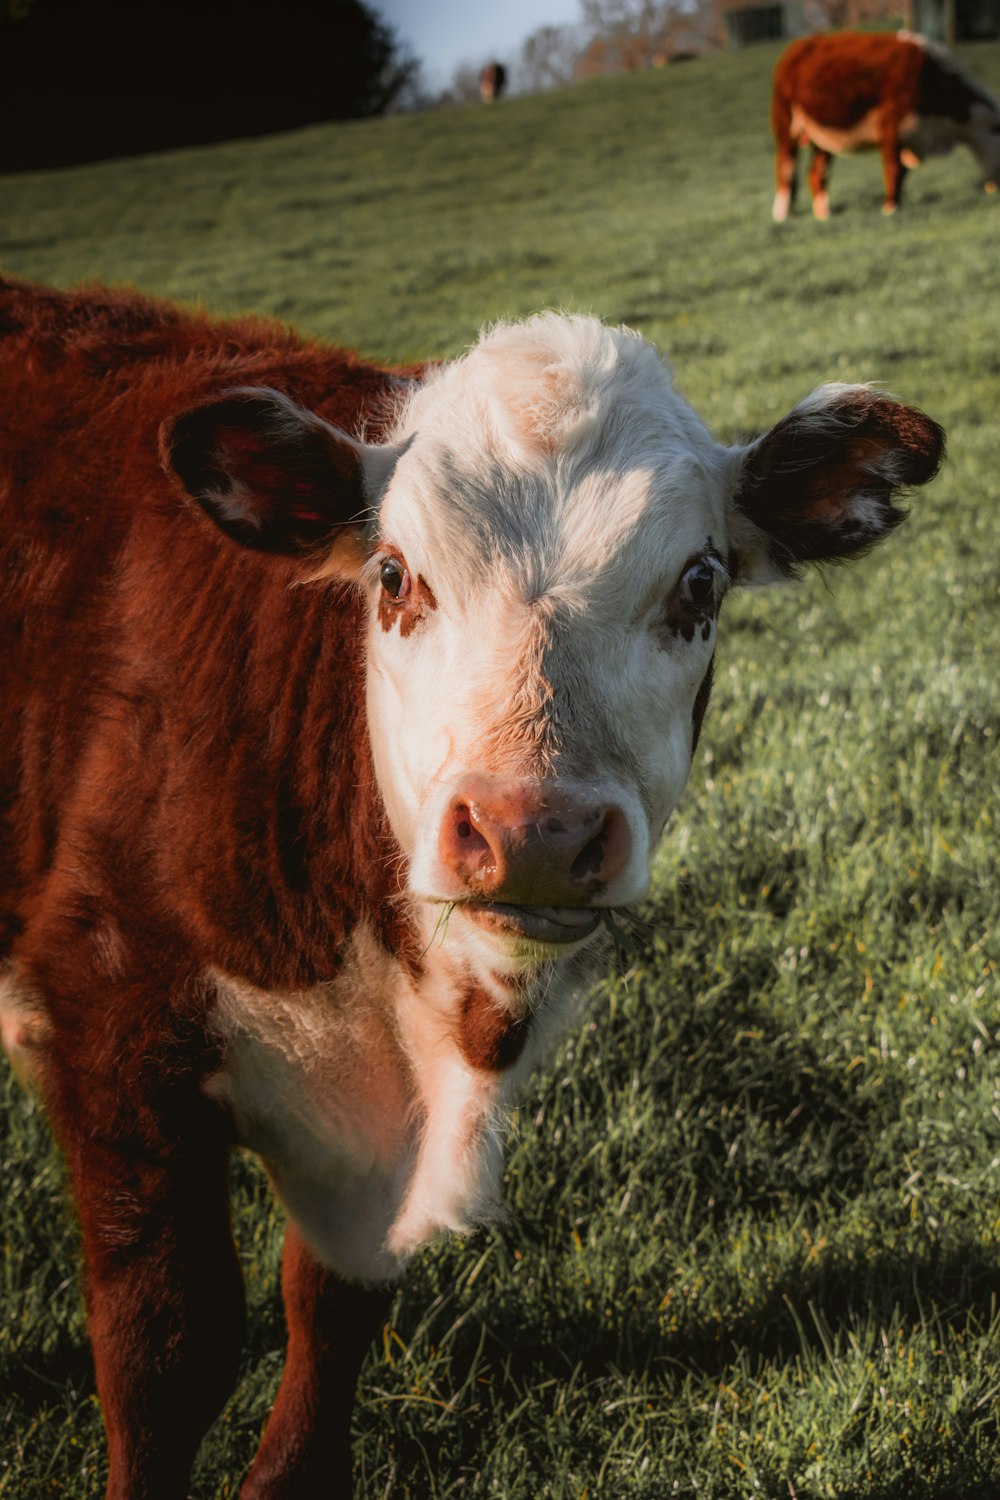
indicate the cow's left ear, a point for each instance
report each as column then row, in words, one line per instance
column 821, row 484
column 276, row 477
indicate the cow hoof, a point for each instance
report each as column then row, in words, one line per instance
column 889, row 208
column 821, row 206
column 990, row 187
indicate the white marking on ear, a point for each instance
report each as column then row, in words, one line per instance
column 235, row 502
column 821, row 484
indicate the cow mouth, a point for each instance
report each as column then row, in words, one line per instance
column 540, row 924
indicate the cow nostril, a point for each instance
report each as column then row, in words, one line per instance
column 588, row 862
column 472, row 848
column 604, row 855
column 465, row 822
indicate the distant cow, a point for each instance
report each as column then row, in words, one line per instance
column 492, row 82
column 323, row 759
column 852, row 90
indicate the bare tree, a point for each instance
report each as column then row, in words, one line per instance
column 618, row 35
column 628, row 34
column 548, row 58
column 630, row 30
column 464, row 85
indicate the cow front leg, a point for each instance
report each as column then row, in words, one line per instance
column 819, row 176
column 306, row 1448
column 893, row 171
column 165, row 1307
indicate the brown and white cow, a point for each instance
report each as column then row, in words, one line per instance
column 852, row 90
column 322, row 756
column 492, row 82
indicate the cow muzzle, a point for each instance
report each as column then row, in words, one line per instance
column 532, row 858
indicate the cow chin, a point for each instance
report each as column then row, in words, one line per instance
column 522, row 935
column 558, row 927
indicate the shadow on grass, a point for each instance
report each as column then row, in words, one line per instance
column 531, row 1348
column 779, row 1128
column 950, row 1287
column 41, row 1376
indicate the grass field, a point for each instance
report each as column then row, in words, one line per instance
column 754, row 1241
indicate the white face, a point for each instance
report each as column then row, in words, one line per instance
column 543, row 598
column 544, row 542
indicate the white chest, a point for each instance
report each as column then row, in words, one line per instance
column 376, row 1132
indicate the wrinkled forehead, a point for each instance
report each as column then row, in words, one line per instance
column 555, row 453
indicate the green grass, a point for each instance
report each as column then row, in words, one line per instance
column 754, row 1243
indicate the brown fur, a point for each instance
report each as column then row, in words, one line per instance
column 490, row 1036
column 185, row 783
column 330, row 1326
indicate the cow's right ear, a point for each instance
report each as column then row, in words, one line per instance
column 276, row 477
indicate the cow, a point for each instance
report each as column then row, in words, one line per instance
column 492, row 82
column 341, row 708
column 852, row 90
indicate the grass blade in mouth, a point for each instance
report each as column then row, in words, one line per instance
column 440, row 926
column 629, row 934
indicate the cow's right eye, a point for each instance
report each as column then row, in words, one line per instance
column 394, row 578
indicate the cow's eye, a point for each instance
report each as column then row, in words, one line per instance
column 394, row 578
column 698, row 584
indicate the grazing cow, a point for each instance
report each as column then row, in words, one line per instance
column 322, row 759
column 492, row 82
column 851, row 90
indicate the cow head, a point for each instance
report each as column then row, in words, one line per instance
column 544, row 545
column 957, row 108
column 984, row 138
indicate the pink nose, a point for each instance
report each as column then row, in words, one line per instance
column 533, row 843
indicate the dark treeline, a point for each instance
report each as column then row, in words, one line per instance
column 86, row 79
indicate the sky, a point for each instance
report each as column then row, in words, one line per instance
column 444, row 33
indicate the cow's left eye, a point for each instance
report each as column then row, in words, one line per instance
column 698, row 584
column 394, row 578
